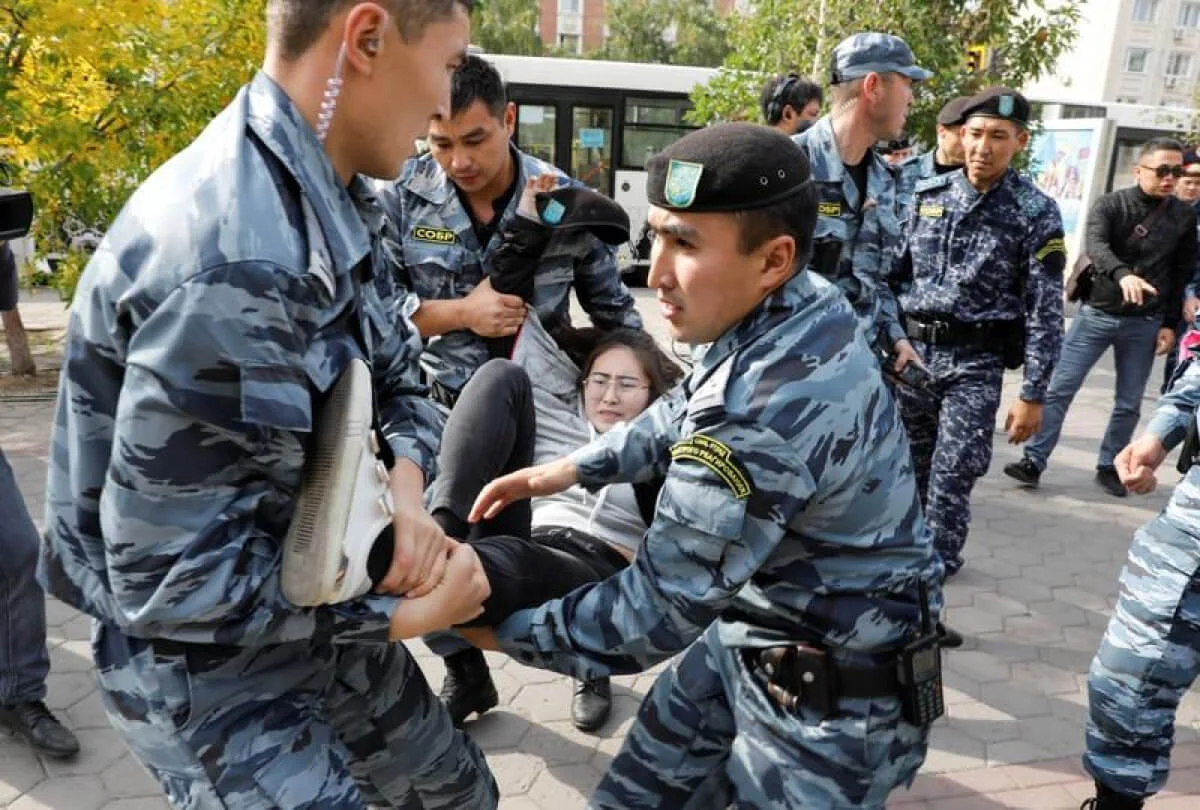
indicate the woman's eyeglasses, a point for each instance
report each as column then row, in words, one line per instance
column 1161, row 172
column 600, row 383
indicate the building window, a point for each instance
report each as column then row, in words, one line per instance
column 1135, row 59
column 568, row 6
column 1123, row 100
column 1144, row 11
column 1179, row 64
column 1189, row 15
column 569, row 42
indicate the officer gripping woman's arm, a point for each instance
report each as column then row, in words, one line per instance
column 787, row 532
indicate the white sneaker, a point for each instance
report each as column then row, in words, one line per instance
column 345, row 500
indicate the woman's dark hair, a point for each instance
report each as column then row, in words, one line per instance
column 661, row 371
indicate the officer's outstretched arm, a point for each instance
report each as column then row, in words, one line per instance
column 635, row 451
column 1178, row 406
column 728, row 497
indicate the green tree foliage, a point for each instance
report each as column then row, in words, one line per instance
column 95, row 99
column 1024, row 39
column 667, row 32
column 507, row 26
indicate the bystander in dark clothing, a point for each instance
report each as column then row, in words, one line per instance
column 1142, row 241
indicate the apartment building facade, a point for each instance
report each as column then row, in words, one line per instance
column 578, row 26
column 1130, row 52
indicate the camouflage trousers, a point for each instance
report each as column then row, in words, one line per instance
column 1150, row 654
column 707, row 736
column 293, row 726
column 950, row 428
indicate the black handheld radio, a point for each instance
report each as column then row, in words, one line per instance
column 920, row 672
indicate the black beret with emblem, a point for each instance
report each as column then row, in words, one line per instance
column 951, row 115
column 999, row 102
column 727, row 167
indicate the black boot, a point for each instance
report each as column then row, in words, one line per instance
column 34, row 722
column 1108, row 480
column 468, row 686
column 592, row 703
column 1108, row 799
column 1024, row 471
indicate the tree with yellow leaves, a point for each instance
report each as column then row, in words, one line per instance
column 94, row 99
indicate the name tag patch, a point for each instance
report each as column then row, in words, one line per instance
column 931, row 210
column 829, row 209
column 438, row 236
column 717, row 456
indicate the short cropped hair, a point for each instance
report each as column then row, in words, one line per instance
column 1159, row 145
column 295, row 25
column 477, row 79
column 795, row 217
column 787, row 91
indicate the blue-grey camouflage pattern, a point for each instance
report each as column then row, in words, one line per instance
column 974, row 257
column 707, row 735
column 423, row 201
column 909, row 173
column 202, row 337
column 1150, row 654
column 988, row 257
column 869, row 231
column 826, row 544
column 297, row 726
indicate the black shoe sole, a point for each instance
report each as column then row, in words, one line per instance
column 1021, row 479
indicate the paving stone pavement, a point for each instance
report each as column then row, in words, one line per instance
column 1033, row 601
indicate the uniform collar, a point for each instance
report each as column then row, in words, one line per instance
column 431, row 183
column 971, row 193
column 776, row 306
column 347, row 215
column 825, row 163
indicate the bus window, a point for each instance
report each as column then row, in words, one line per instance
column 591, row 147
column 651, row 125
column 535, row 130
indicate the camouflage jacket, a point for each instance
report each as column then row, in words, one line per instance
column 202, row 337
column 910, row 172
column 789, row 510
column 438, row 256
column 996, row 256
column 856, row 240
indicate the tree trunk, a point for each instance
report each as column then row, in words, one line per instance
column 18, row 345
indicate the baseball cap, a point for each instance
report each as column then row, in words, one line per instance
column 860, row 54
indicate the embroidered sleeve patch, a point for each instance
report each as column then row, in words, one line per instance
column 1055, row 245
column 931, row 210
column 439, row 236
column 829, row 209
column 717, row 457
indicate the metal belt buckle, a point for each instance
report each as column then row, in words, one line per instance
column 938, row 331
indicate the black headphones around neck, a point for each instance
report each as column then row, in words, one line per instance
column 779, row 98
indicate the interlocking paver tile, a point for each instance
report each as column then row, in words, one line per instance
column 1040, row 582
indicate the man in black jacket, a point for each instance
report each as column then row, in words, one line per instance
column 1142, row 241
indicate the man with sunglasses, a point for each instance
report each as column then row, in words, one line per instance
column 1142, row 242
column 1188, row 190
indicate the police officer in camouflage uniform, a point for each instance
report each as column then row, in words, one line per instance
column 946, row 156
column 452, row 207
column 858, row 226
column 980, row 285
column 788, row 528
column 203, row 338
column 1150, row 654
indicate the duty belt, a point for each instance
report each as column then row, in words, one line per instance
column 947, row 332
column 804, row 675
